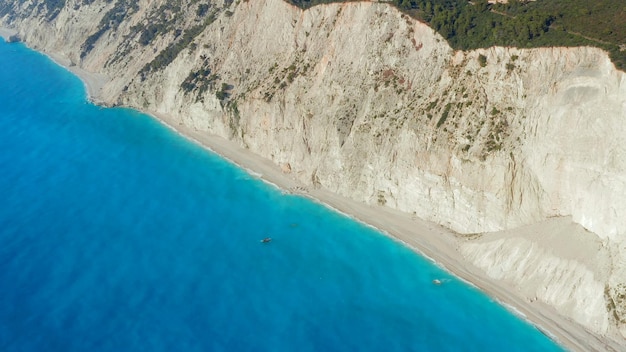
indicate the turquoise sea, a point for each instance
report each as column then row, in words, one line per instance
column 118, row 235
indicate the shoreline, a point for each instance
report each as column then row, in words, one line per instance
column 7, row 33
column 429, row 240
column 93, row 82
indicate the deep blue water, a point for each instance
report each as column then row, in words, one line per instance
column 118, row 235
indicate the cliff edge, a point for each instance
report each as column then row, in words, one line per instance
column 362, row 100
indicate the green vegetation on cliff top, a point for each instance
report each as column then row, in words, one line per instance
column 524, row 24
column 465, row 24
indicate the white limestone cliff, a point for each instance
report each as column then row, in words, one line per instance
column 371, row 104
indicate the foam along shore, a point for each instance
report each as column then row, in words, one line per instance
column 428, row 239
column 93, row 81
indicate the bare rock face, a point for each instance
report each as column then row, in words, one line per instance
column 554, row 262
column 369, row 103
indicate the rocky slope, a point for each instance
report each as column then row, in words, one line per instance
column 363, row 100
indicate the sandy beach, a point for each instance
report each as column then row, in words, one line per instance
column 93, row 81
column 431, row 240
column 428, row 239
column 6, row 33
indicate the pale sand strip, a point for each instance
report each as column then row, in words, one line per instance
column 93, row 81
column 431, row 240
column 6, row 33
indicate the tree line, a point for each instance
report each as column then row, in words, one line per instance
column 525, row 24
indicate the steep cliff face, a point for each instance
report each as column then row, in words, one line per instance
column 363, row 100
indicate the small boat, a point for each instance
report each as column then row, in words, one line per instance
column 437, row 282
column 266, row 240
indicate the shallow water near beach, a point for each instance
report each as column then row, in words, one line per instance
column 118, row 235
